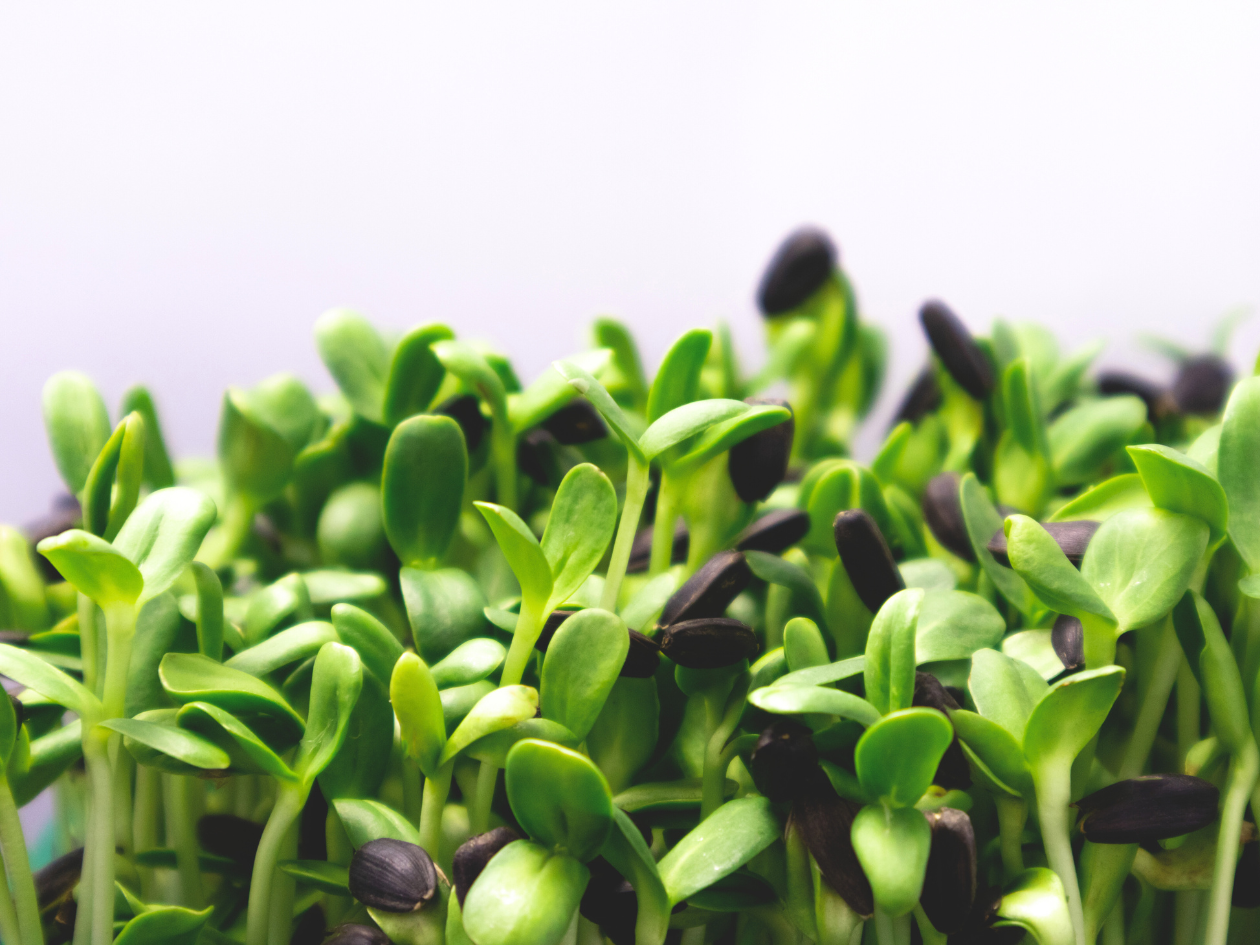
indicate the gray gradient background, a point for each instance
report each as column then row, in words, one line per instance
column 185, row 187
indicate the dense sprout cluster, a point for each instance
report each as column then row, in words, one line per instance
column 443, row 658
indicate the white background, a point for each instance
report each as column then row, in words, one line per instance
column 185, row 187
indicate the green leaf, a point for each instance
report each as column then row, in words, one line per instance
column 289, row 646
column 1085, row 437
column 822, row 675
column 983, row 521
column 357, row 357
column 686, row 421
column 32, row 672
column 995, row 747
column 523, row 552
column 158, row 472
column 613, row 335
column 1238, row 459
column 418, row 706
column 367, row 820
column 458, row 701
column 581, row 665
column 359, row 767
column 803, row 644
column 422, row 487
column 1038, row 559
column 810, row 700
column 376, row 645
column 50, row 757
column 94, row 566
column 469, row 663
column 177, row 743
column 471, row 367
column 332, row 878
column 722, row 436
column 889, row 668
column 209, row 611
column 191, row 677
column 630, row 856
column 586, row 384
column 23, row 602
column 164, row 925
column 332, row 585
column 163, row 534
column 896, row 758
column 559, row 797
column 445, row 608
column 1098, row 503
column 113, row 485
column 1023, row 407
column 1069, row 715
column 495, row 747
column 775, row 570
column 1141, row 562
column 892, row 845
column 551, row 391
column 1210, row 656
column 9, row 729
column 677, row 380
column 955, row 624
column 1178, row 483
column 335, row 686
column 499, row 709
column 1005, row 690
column 583, row 518
column 526, row 895
column 77, row 423
column 261, row 433
column 248, row 750
column 1035, row 902
column 415, row 373
column 722, row 843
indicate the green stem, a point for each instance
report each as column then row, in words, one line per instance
column 480, row 813
column 1104, row 868
column 778, row 606
column 1187, row 905
column 10, row 931
column 663, row 526
column 528, row 626
column 238, row 519
column 181, row 834
column 18, row 867
column 713, row 777
column 1154, row 703
column 1012, row 815
column 1243, row 772
column 289, row 801
column 283, row 889
column 144, row 822
column 1113, row 928
column 411, row 785
column 98, row 852
column 124, row 768
column 340, row 852
column 631, row 510
column 927, row 931
column 885, row 934
column 503, row 451
column 1053, row 783
column 436, row 790
column 1189, row 715
column 88, row 645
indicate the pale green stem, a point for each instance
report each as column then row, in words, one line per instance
column 588, row 932
column 714, row 778
column 1113, row 929
column 145, row 822
column 181, row 835
column 88, row 645
column 1186, row 908
column 636, row 492
column 1012, row 815
column 18, row 867
column 1244, row 769
column 479, row 818
column 283, row 889
column 663, row 526
column 528, row 626
column 87, row 880
column 1104, row 868
column 289, row 801
column 927, row 931
column 885, row 934
column 1054, row 788
column 238, row 519
column 340, row 852
column 124, row 767
column 246, row 795
column 503, row 451
column 1154, row 703
column 10, row 931
column 436, row 790
column 98, row 853
column 1189, row 716
column 411, row 785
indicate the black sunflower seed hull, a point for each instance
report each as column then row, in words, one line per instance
column 55, row 881
column 576, row 423
column 1152, row 807
column 942, row 511
column 799, row 268
column 783, row 759
column 1072, row 537
column 230, row 836
column 866, row 558
column 473, row 855
column 466, row 411
column 709, row 642
column 949, row 884
column 392, row 875
column 550, row 626
column 1246, row 892
column 641, row 548
column 643, row 657
column 775, row 532
column 952, row 772
column 1158, row 399
column 1068, row 639
column 536, row 457
column 610, row 902
column 709, row 591
column 824, row 821
column 921, row 399
column 957, row 349
column 1202, row 384
column 352, row 933
column 759, row 463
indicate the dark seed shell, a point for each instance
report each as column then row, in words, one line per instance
column 353, row 934
column 641, row 548
column 65, row 513
column 535, row 456
column 1158, row 399
column 942, row 510
column 952, row 771
column 775, row 532
column 866, row 558
column 1068, row 639
column 824, row 821
column 921, row 399
column 949, row 885
column 392, row 875
column 1152, row 807
column 1246, row 894
column 610, row 902
column 550, row 626
column 466, row 411
column 309, row 928
column 1202, row 384
column 313, row 825
column 759, row 463
column 228, row 835
column 576, row 423
column 957, row 350
column 798, row 269
column 643, row 657
column 55, row 881
column 1072, row 537
column 473, row 855
column 709, row 642
column 710, row 590
column 783, row 759
column 60, row 928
